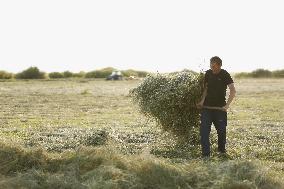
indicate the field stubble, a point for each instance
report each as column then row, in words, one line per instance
column 52, row 121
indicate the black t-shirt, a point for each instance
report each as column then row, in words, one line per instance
column 216, row 88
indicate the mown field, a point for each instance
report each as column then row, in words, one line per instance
column 89, row 134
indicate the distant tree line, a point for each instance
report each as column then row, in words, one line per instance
column 35, row 73
column 261, row 73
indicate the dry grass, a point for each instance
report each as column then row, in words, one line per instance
column 105, row 168
column 88, row 134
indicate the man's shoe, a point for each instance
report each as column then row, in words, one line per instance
column 224, row 155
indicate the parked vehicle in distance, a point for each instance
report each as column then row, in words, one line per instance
column 115, row 75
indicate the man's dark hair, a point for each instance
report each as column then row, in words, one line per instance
column 216, row 59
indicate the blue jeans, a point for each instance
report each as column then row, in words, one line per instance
column 219, row 119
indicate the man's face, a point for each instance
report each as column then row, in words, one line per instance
column 215, row 67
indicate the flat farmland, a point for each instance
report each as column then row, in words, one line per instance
column 89, row 134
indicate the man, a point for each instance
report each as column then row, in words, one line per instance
column 214, row 105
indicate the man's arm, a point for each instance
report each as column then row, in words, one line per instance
column 231, row 96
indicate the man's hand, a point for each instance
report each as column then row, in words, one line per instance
column 225, row 108
column 199, row 105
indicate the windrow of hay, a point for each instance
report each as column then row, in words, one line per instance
column 171, row 100
column 105, row 168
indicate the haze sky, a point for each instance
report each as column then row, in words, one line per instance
column 150, row 35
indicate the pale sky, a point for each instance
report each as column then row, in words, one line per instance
column 151, row 35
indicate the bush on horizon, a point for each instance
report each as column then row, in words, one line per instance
column 5, row 75
column 261, row 73
column 31, row 73
column 55, row 75
column 103, row 73
column 67, row 74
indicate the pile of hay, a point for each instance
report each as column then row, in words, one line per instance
column 171, row 100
